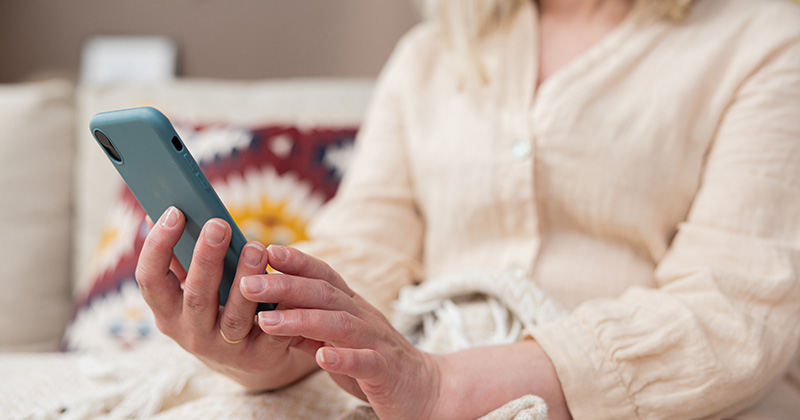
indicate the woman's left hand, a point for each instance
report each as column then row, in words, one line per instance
column 355, row 343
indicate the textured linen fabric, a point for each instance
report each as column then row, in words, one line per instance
column 652, row 186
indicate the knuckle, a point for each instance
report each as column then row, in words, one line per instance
column 326, row 268
column 348, row 360
column 345, row 322
column 142, row 275
column 281, row 286
column 327, row 292
column 235, row 324
column 157, row 241
column 302, row 319
column 204, row 259
column 195, row 301
column 372, row 359
column 323, row 267
column 299, row 260
column 144, row 271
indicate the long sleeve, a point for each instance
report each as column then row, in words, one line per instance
column 723, row 323
column 372, row 232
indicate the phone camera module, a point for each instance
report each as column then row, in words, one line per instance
column 176, row 143
column 106, row 143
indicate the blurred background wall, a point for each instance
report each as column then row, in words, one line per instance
column 243, row 39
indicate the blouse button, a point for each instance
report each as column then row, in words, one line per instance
column 521, row 149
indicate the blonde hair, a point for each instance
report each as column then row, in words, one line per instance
column 466, row 22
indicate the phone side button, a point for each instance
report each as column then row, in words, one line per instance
column 202, row 181
column 190, row 161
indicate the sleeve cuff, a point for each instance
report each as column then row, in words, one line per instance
column 591, row 381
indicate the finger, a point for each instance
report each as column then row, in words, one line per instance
column 269, row 345
column 159, row 286
column 238, row 317
column 305, row 345
column 292, row 261
column 297, row 292
column 364, row 364
column 339, row 328
column 201, row 288
column 175, row 266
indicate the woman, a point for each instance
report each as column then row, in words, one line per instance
column 638, row 161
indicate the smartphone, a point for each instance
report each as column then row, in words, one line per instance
column 155, row 164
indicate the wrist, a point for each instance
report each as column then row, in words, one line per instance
column 451, row 389
column 474, row 382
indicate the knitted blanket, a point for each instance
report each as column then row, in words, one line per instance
column 161, row 381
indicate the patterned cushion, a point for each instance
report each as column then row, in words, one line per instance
column 273, row 178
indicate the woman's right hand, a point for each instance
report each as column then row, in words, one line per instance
column 186, row 306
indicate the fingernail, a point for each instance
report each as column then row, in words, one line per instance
column 215, row 232
column 329, row 357
column 252, row 254
column 269, row 318
column 253, row 284
column 170, row 218
column 277, row 253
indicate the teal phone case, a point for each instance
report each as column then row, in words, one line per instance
column 160, row 171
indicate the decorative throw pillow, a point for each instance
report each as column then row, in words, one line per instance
column 272, row 178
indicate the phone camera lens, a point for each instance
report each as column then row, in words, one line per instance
column 106, row 143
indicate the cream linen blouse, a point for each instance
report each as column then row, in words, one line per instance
column 652, row 186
